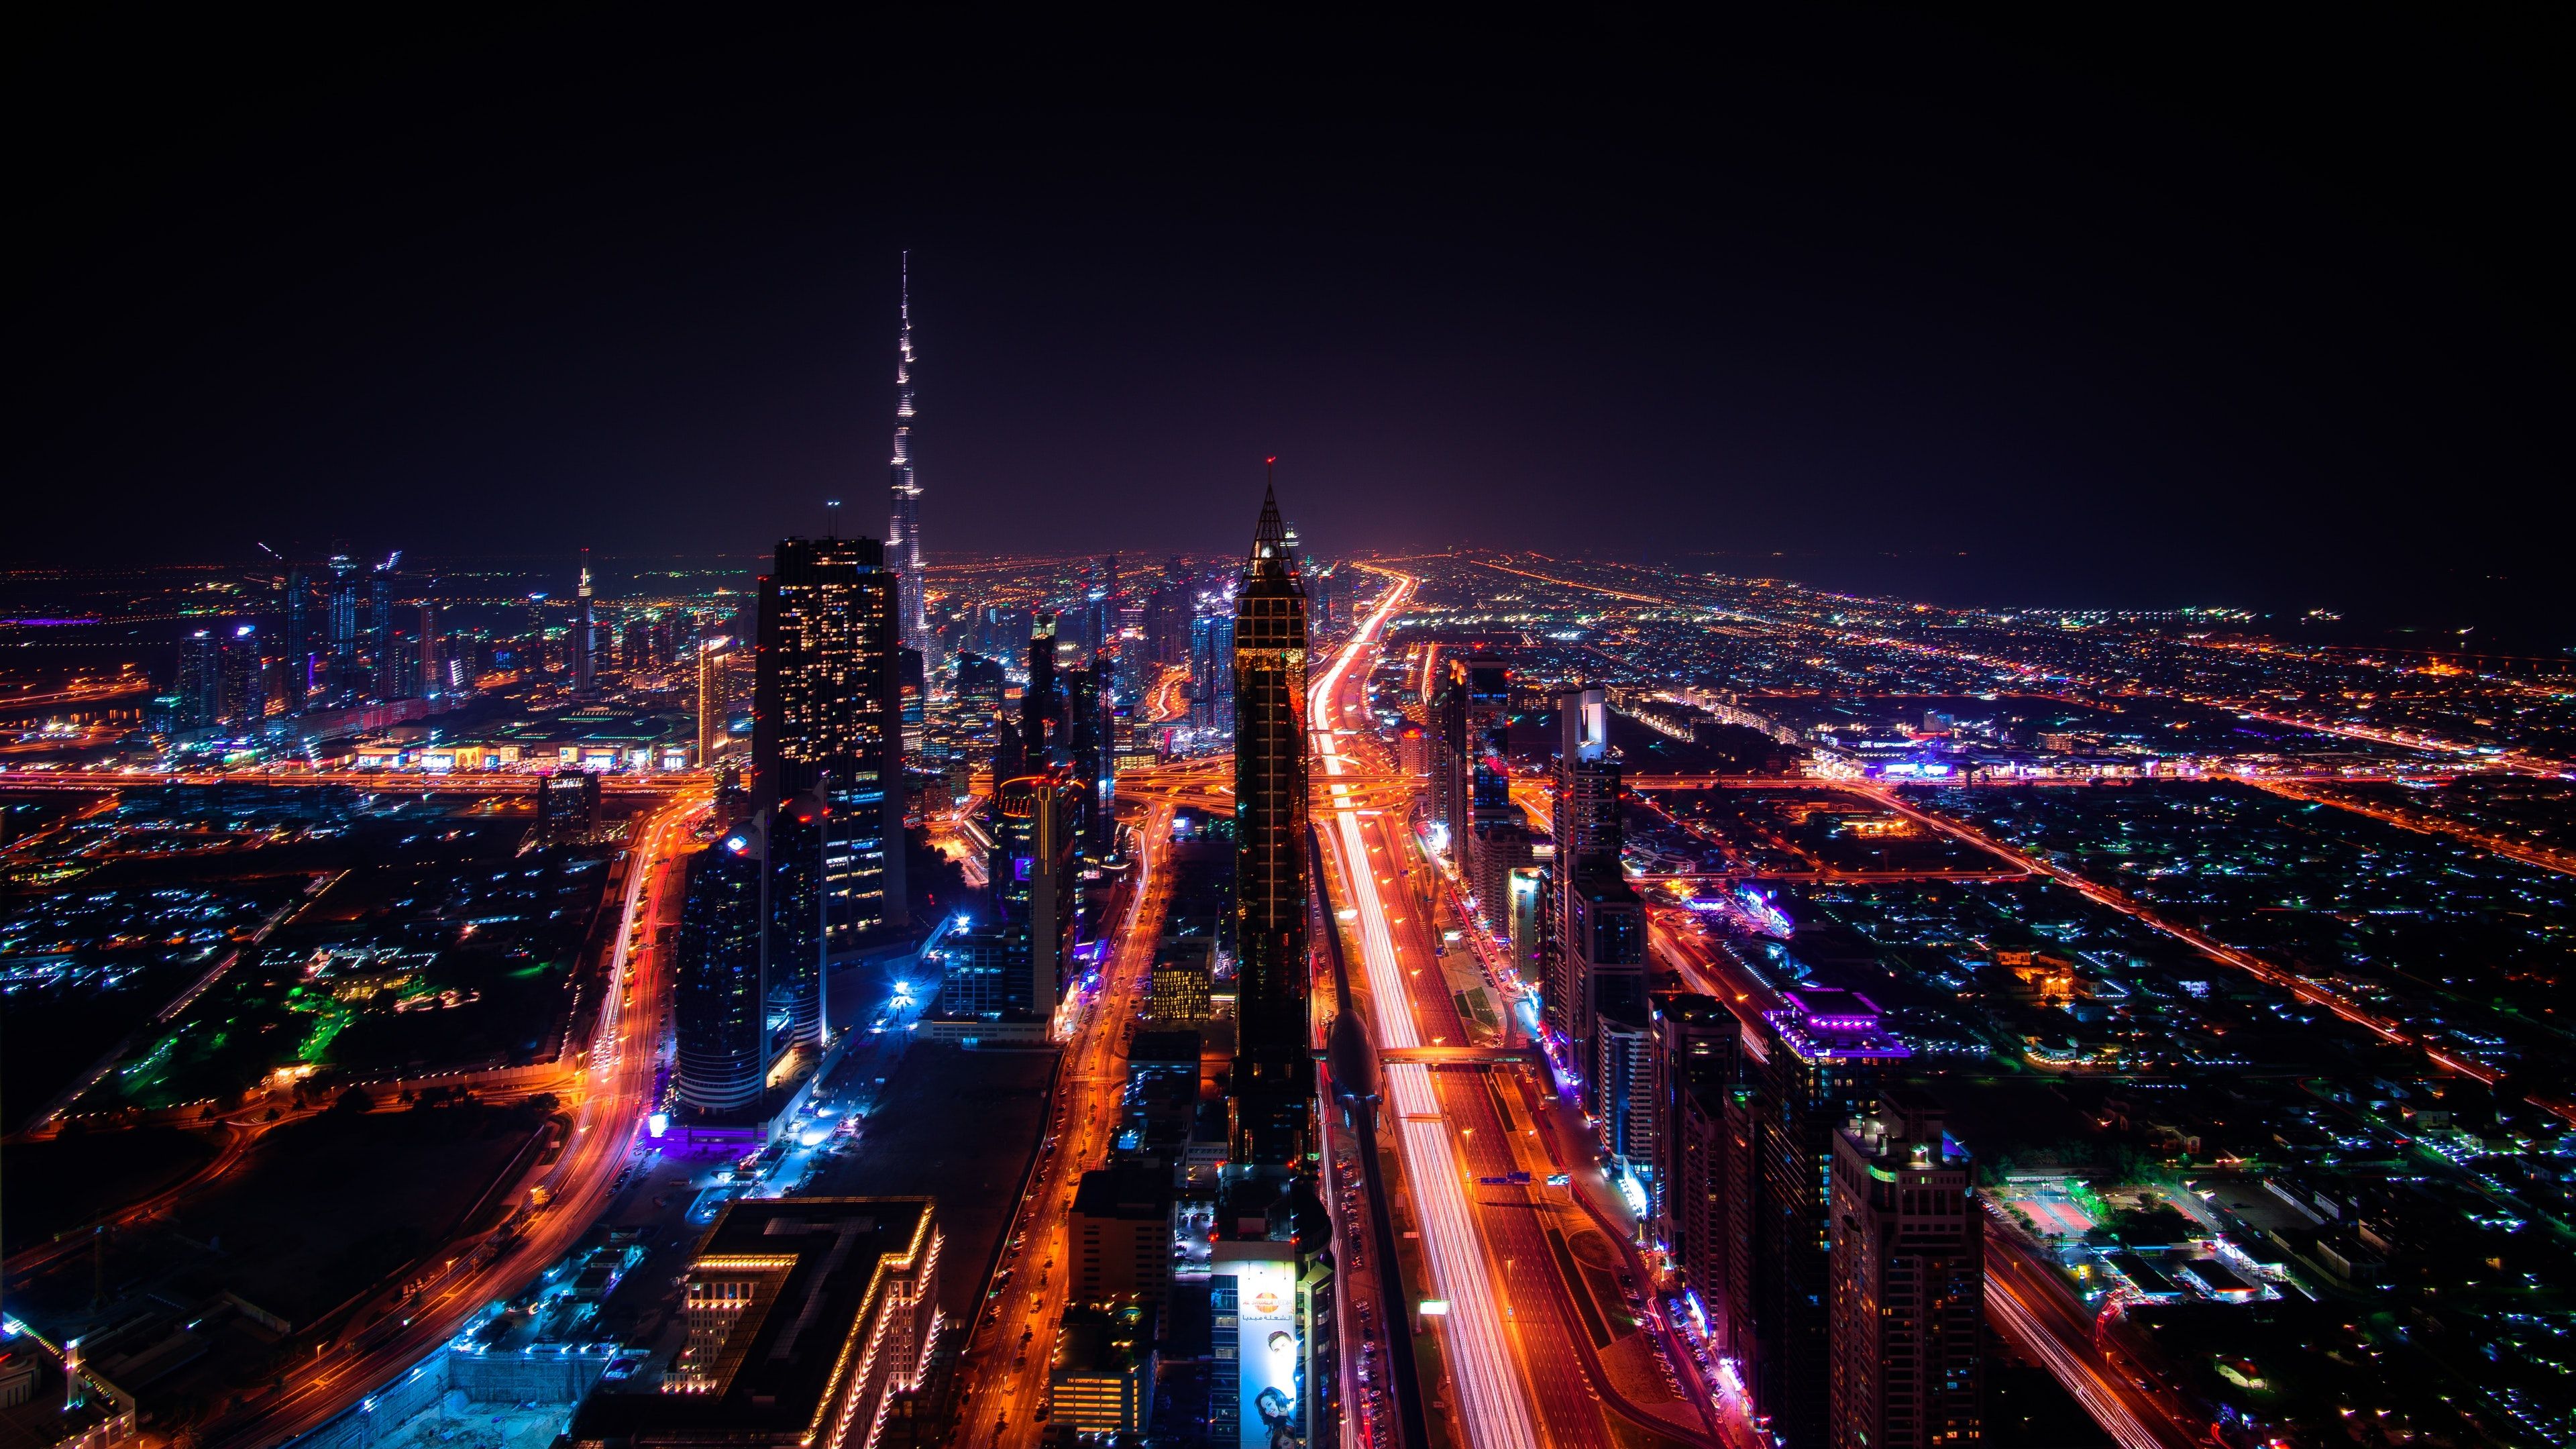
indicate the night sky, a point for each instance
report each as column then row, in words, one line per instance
column 2182, row 310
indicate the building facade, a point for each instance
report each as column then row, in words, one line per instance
column 827, row 713
column 1273, row 1071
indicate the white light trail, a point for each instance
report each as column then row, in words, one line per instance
column 2027, row 1334
column 1489, row 1390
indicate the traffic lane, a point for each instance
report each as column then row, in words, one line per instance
column 1567, row 1385
column 1009, row 1381
column 1542, row 1320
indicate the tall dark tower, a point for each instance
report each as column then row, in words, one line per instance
column 585, row 637
column 1273, row 1071
column 903, row 523
column 827, row 711
column 719, row 1001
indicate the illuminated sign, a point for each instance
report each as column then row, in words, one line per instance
column 1268, row 1353
column 1434, row 1307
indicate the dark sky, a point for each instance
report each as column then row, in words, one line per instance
column 2178, row 308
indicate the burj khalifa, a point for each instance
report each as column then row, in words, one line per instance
column 903, row 527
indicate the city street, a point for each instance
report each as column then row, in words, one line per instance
column 1002, row 1376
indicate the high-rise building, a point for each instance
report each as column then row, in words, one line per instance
column 719, row 667
column 1815, row 1065
column 1035, row 889
column 1119, row 1236
column 1698, row 1057
column 1087, row 740
column 1445, row 724
column 244, row 702
column 388, row 672
column 1908, row 1258
column 1212, row 670
column 1500, row 849
column 1588, row 840
column 342, row 622
column 1622, row 1085
column 200, row 687
column 903, row 523
column 1605, row 957
column 585, row 636
column 299, row 637
column 796, row 914
column 431, row 656
column 1273, row 1071
column 1041, row 709
column 915, row 684
column 720, row 999
column 827, row 712
column 1489, row 714
column 568, row 808
column 1525, row 912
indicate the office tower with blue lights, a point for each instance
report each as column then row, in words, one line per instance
column 720, row 996
column 903, row 519
column 1273, row 1068
column 827, row 716
column 585, row 636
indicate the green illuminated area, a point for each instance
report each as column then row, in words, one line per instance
column 447, row 950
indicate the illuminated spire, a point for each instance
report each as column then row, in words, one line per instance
column 903, row 523
column 1269, row 561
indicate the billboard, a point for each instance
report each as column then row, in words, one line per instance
column 1271, row 1358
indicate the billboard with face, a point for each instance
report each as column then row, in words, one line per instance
column 1272, row 1359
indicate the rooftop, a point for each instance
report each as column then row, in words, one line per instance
column 825, row 1259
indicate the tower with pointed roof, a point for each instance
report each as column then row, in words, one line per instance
column 903, row 523
column 1273, row 1066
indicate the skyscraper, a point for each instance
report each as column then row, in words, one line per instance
column 1041, row 711
column 299, row 637
column 1588, row 841
column 827, row 712
column 385, row 678
column 1908, row 1283
column 719, row 998
column 717, row 660
column 200, row 688
column 585, row 637
column 1035, row 892
column 804, row 850
column 1816, row 1065
column 1698, row 1061
column 343, row 625
column 903, row 524
column 1273, row 1072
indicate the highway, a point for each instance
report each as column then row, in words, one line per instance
column 1491, row 1400
column 1002, row 1375
column 559, row 1201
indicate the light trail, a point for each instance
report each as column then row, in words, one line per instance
column 2031, row 1337
column 1496, row 1414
